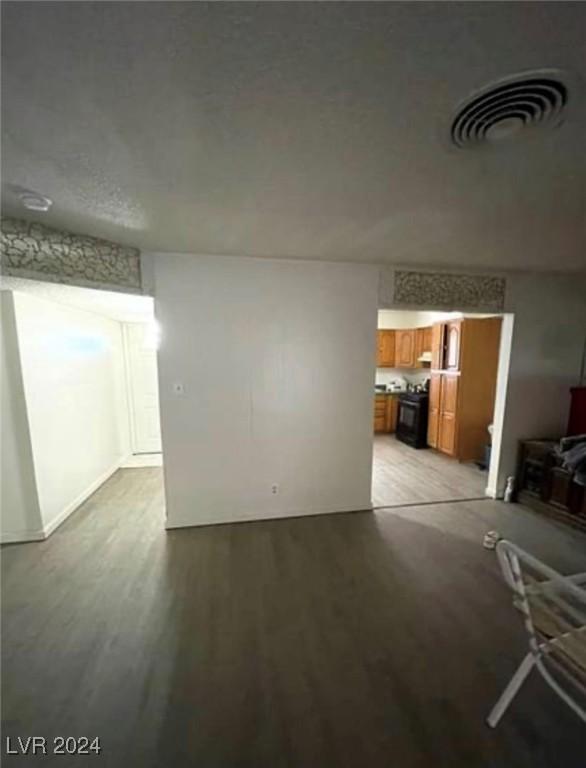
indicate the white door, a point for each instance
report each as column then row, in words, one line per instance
column 141, row 349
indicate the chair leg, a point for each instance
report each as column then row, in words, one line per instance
column 510, row 691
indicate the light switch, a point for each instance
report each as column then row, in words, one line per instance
column 178, row 388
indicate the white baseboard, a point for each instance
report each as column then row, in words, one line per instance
column 20, row 537
column 249, row 517
column 71, row 507
column 493, row 493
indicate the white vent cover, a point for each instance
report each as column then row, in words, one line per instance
column 509, row 108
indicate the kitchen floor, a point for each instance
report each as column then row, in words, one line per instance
column 404, row 475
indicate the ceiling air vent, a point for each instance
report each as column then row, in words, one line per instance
column 508, row 109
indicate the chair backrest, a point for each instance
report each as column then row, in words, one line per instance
column 554, row 612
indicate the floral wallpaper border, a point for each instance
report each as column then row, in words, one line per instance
column 34, row 250
column 449, row 290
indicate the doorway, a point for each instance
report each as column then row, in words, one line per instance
column 435, row 389
column 140, row 345
column 82, row 368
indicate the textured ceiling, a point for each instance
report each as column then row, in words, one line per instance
column 294, row 129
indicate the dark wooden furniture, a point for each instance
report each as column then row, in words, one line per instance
column 577, row 420
column 545, row 486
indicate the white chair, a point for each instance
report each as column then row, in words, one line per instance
column 554, row 614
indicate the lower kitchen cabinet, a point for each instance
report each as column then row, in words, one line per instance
column 386, row 408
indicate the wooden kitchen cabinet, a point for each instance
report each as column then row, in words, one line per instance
column 435, row 384
column 448, row 413
column 385, row 350
column 405, row 348
column 463, row 385
column 437, row 346
column 422, row 344
column 453, row 333
column 386, row 408
column 445, row 346
column 392, row 412
column 401, row 348
column 380, row 413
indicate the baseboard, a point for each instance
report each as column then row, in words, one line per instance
column 493, row 493
column 78, row 501
column 21, row 537
column 252, row 517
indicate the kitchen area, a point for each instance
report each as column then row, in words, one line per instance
column 433, row 405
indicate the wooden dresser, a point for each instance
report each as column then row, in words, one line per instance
column 545, row 486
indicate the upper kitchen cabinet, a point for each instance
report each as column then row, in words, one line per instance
column 385, row 349
column 422, row 346
column 453, row 336
column 402, row 347
column 437, row 346
column 445, row 346
column 405, row 348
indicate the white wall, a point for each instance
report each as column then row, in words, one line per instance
column 73, row 375
column 407, row 318
column 548, row 336
column 277, row 360
column 20, row 516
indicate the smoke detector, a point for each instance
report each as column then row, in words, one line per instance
column 510, row 108
column 33, row 201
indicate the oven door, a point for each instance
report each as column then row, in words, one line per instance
column 412, row 423
column 407, row 417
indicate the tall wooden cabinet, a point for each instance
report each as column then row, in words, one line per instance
column 462, row 385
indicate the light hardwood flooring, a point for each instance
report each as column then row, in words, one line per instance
column 404, row 475
column 341, row 641
column 143, row 460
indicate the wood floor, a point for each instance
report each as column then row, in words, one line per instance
column 404, row 475
column 368, row 639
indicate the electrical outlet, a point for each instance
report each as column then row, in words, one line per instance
column 274, row 488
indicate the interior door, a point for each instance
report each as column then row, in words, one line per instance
column 143, row 388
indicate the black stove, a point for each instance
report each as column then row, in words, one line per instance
column 412, row 418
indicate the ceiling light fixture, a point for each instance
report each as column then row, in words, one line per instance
column 33, row 201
